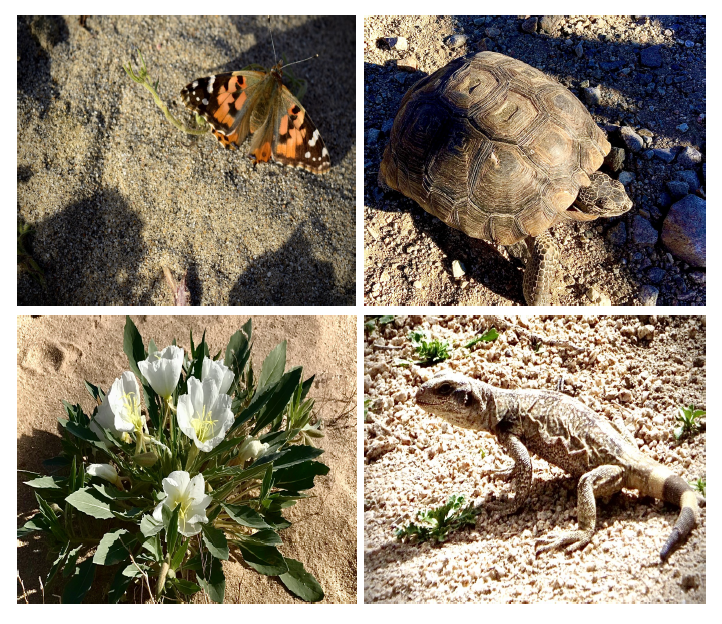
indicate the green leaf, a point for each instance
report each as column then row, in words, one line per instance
column 212, row 580
column 51, row 483
column 89, row 502
column 134, row 349
column 267, row 483
column 84, row 433
column 58, row 563
column 301, row 477
column 300, row 582
column 132, row 570
column 267, row 537
column 185, row 587
column 273, row 366
column 71, row 562
column 150, row 526
column 113, row 548
column 36, row 523
column 119, row 585
column 153, row 546
column 488, row 336
column 216, row 542
column 283, row 391
column 52, row 519
column 258, row 401
column 296, row 455
column 111, row 493
column 178, row 555
column 246, row 516
column 94, row 391
column 307, row 386
column 263, row 559
column 80, row 583
column 170, row 522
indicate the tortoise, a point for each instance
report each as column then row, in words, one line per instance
column 496, row 149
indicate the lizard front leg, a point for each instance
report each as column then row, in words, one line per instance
column 601, row 481
column 520, row 473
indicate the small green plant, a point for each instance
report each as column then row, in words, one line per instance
column 367, row 403
column 700, row 485
column 429, row 351
column 437, row 523
column 488, row 336
column 687, row 418
column 372, row 322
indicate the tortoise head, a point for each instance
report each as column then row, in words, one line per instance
column 603, row 197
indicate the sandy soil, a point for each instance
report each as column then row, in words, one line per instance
column 408, row 253
column 637, row 369
column 55, row 355
column 114, row 192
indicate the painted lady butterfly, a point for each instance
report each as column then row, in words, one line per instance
column 257, row 102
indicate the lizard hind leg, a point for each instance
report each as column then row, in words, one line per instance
column 601, row 481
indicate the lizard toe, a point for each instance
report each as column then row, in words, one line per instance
column 573, row 540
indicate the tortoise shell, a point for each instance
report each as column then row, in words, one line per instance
column 492, row 147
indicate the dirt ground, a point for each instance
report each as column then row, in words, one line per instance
column 55, row 355
column 409, row 254
column 633, row 370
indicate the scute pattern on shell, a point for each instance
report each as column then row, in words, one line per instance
column 492, row 147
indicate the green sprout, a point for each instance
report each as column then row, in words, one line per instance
column 700, row 485
column 687, row 418
column 430, row 351
column 437, row 523
column 488, row 336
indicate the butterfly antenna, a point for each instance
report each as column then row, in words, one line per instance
column 302, row 60
column 275, row 59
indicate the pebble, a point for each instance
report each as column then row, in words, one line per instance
column 455, row 41
column 396, row 43
column 690, row 178
column 689, row 157
column 683, row 127
column 648, row 295
column 529, row 25
column 548, row 23
column 458, row 269
column 665, row 154
column 593, row 95
column 615, row 159
column 652, row 56
column 643, row 232
column 579, row 50
column 626, row 177
column 631, row 139
column 408, row 64
column 372, row 136
column 678, row 188
column 684, row 231
column 656, row 275
column 617, row 235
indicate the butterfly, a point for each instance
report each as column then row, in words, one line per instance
column 240, row 103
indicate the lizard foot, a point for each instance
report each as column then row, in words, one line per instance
column 573, row 540
column 503, row 474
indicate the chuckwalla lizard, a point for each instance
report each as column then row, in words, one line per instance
column 568, row 434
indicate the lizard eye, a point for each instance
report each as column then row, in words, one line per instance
column 445, row 388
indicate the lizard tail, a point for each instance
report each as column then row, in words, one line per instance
column 675, row 490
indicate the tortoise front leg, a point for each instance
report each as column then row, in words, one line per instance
column 602, row 481
column 541, row 271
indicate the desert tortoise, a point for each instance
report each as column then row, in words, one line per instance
column 494, row 148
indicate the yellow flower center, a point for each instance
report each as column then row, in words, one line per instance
column 204, row 425
column 132, row 406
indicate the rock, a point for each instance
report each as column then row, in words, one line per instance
column 372, row 136
column 656, row 275
column 652, row 56
column 648, row 295
column 408, row 64
column 665, row 199
column 458, row 269
column 626, row 177
column 455, row 41
column 593, row 95
column 492, row 32
column 579, row 50
column 677, row 188
column 618, row 234
column 645, row 332
column 689, row 157
column 529, row 25
column 615, row 159
column 643, row 232
column 690, row 177
column 684, row 231
column 683, row 127
column 665, row 154
column 631, row 139
column 549, row 23
column 396, row 43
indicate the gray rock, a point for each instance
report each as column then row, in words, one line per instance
column 643, row 232
column 615, row 159
column 388, row 126
column 683, row 127
column 549, row 23
column 698, row 277
column 396, row 43
column 626, row 177
column 618, row 234
column 631, row 139
column 529, row 25
column 677, row 188
column 689, row 157
column 648, row 295
column 652, row 56
column 665, row 154
column 690, row 177
column 684, row 231
column 579, row 50
column 593, row 95
column 656, row 275
column 492, row 32
column 665, row 199
column 372, row 136
column 455, row 41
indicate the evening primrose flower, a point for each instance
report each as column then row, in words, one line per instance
column 120, row 409
column 251, row 448
column 162, row 369
column 219, row 372
column 204, row 414
column 104, row 471
column 180, row 489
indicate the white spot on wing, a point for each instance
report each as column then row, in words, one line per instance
column 324, row 152
column 307, row 155
column 211, row 80
column 316, row 136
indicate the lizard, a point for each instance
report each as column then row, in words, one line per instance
column 568, row 434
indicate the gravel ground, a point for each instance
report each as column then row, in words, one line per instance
column 637, row 369
column 115, row 193
column 650, row 100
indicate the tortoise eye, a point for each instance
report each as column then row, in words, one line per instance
column 445, row 388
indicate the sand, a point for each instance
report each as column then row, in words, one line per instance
column 55, row 355
column 636, row 370
column 115, row 193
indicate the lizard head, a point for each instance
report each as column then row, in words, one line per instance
column 451, row 396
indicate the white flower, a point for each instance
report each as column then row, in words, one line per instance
column 251, row 448
column 120, row 409
column 219, row 372
column 204, row 414
column 162, row 369
column 104, row 471
column 104, row 419
column 180, row 489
